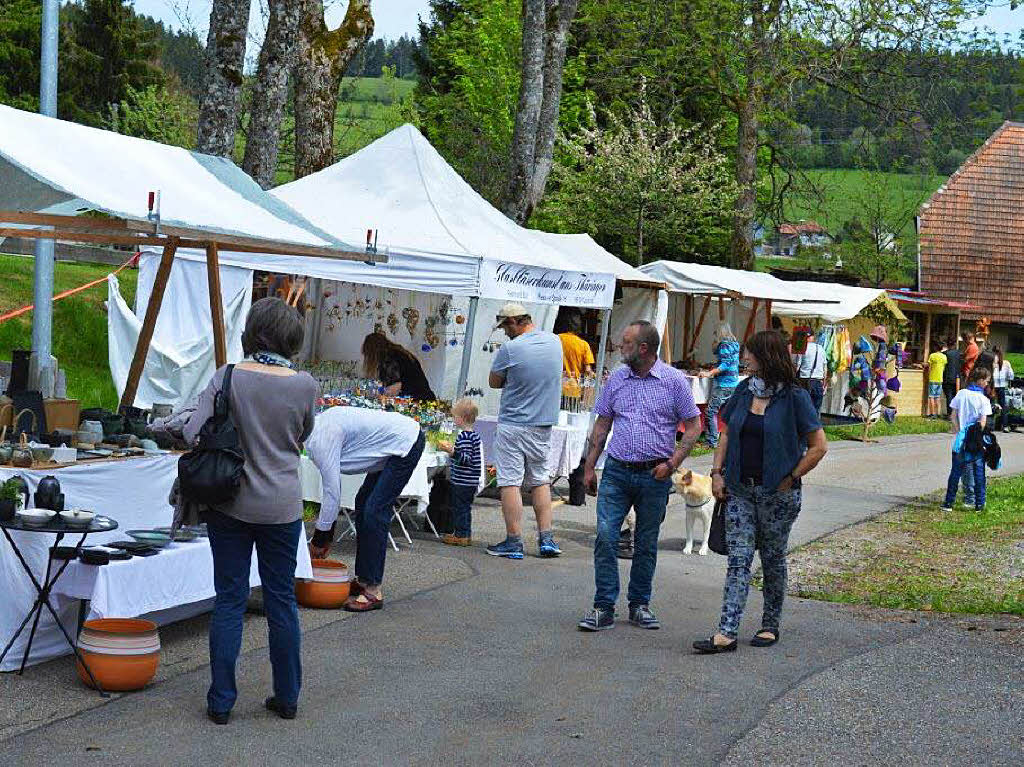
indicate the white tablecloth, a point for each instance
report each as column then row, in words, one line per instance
column 133, row 492
column 418, row 487
column 564, row 452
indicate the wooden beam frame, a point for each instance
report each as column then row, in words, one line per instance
column 687, row 320
column 768, row 314
column 700, row 324
column 753, row 317
column 220, row 347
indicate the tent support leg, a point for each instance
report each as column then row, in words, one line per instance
column 750, row 322
column 687, row 315
column 220, row 349
column 467, row 348
column 768, row 315
column 925, row 352
column 721, row 310
column 156, row 298
column 700, row 325
column 606, row 318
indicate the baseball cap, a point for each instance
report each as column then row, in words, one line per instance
column 509, row 310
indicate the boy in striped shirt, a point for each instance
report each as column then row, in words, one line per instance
column 464, row 471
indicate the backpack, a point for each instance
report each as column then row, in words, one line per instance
column 211, row 473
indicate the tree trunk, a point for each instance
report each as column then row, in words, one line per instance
column 742, row 245
column 222, row 80
column 277, row 57
column 531, row 96
column 323, row 57
column 560, row 14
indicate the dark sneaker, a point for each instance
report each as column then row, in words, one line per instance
column 598, row 619
column 547, row 547
column 506, row 549
column 285, row 712
column 641, row 615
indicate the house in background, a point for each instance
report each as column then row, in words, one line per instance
column 789, row 238
column 971, row 237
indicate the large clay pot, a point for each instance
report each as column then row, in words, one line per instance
column 329, row 588
column 122, row 653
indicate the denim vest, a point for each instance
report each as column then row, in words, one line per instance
column 788, row 419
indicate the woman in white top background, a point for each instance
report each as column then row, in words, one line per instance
column 1002, row 379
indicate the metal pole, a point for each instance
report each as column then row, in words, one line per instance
column 42, row 316
column 599, row 371
column 467, row 351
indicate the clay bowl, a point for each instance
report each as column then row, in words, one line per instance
column 122, row 653
column 329, row 588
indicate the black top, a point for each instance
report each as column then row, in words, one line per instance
column 952, row 371
column 406, row 369
column 752, row 448
column 986, row 360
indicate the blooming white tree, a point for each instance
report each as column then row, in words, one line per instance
column 635, row 183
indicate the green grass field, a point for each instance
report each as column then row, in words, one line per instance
column 79, row 323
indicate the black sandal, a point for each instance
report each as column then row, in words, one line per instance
column 708, row 646
column 760, row 641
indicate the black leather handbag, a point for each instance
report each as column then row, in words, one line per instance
column 716, row 534
column 211, row 473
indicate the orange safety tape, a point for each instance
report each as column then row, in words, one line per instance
column 66, row 293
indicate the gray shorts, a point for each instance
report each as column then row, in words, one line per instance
column 521, row 455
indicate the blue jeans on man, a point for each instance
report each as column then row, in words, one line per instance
column 623, row 488
column 968, row 465
column 816, row 388
column 375, row 504
column 232, row 541
column 719, row 396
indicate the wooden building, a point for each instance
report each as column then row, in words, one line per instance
column 972, row 238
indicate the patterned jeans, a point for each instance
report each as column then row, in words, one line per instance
column 756, row 518
column 719, row 396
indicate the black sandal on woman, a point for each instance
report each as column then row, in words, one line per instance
column 760, row 641
column 709, row 647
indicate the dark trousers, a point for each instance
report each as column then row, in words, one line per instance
column 462, row 509
column 816, row 388
column 232, row 541
column 949, row 391
column 1003, row 420
column 375, row 503
column 622, row 489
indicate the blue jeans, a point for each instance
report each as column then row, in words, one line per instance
column 967, row 465
column 816, row 388
column 375, row 503
column 462, row 509
column 232, row 541
column 620, row 490
column 719, row 396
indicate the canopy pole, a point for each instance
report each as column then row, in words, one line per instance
column 606, row 318
column 753, row 317
column 467, row 348
column 700, row 324
column 721, row 309
column 925, row 352
column 666, row 342
column 220, row 348
column 768, row 314
column 156, row 298
column 687, row 315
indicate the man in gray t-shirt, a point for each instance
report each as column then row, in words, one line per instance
column 528, row 370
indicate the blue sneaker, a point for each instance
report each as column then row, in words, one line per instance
column 547, row 547
column 506, row 549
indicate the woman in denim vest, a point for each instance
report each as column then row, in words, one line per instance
column 772, row 438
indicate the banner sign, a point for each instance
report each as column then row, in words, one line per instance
column 506, row 281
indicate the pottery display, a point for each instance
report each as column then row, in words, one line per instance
column 122, row 653
column 42, row 454
column 48, row 493
column 150, row 538
column 6, row 450
column 77, row 519
column 161, row 411
column 21, row 456
column 36, row 517
column 329, row 588
column 7, row 509
column 90, row 431
column 64, row 454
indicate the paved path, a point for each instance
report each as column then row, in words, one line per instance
column 489, row 669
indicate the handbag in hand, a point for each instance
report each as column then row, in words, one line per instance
column 211, row 473
column 716, row 532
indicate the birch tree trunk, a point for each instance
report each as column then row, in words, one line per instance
column 559, row 19
column 277, row 57
column 323, row 57
column 531, row 96
column 222, row 80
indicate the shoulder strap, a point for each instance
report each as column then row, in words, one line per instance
column 222, row 405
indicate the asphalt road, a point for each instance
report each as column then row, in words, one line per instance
column 488, row 668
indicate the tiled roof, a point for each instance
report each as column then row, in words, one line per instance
column 972, row 231
column 804, row 227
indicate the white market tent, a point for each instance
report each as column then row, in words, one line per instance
column 740, row 296
column 442, row 240
column 848, row 302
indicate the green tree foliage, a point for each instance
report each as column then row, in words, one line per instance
column 156, row 113
column 645, row 189
column 20, row 22
column 108, row 51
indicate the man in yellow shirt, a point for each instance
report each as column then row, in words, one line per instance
column 936, row 367
column 577, row 356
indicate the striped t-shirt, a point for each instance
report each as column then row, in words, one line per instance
column 465, row 466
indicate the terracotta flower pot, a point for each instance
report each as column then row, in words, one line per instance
column 122, row 653
column 329, row 588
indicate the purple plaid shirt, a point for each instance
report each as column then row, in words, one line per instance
column 645, row 412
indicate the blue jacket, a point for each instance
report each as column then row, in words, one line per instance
column 788, row 419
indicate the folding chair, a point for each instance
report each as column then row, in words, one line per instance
column 352, row 530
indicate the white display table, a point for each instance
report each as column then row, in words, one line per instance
column 564, row 452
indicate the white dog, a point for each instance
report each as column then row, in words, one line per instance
column 700, row 503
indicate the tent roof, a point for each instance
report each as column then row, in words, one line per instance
column 59, row 167
column 585, row 250
column 705, row 279
column 848, row 302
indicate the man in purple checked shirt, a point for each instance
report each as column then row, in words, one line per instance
column 645, row 400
